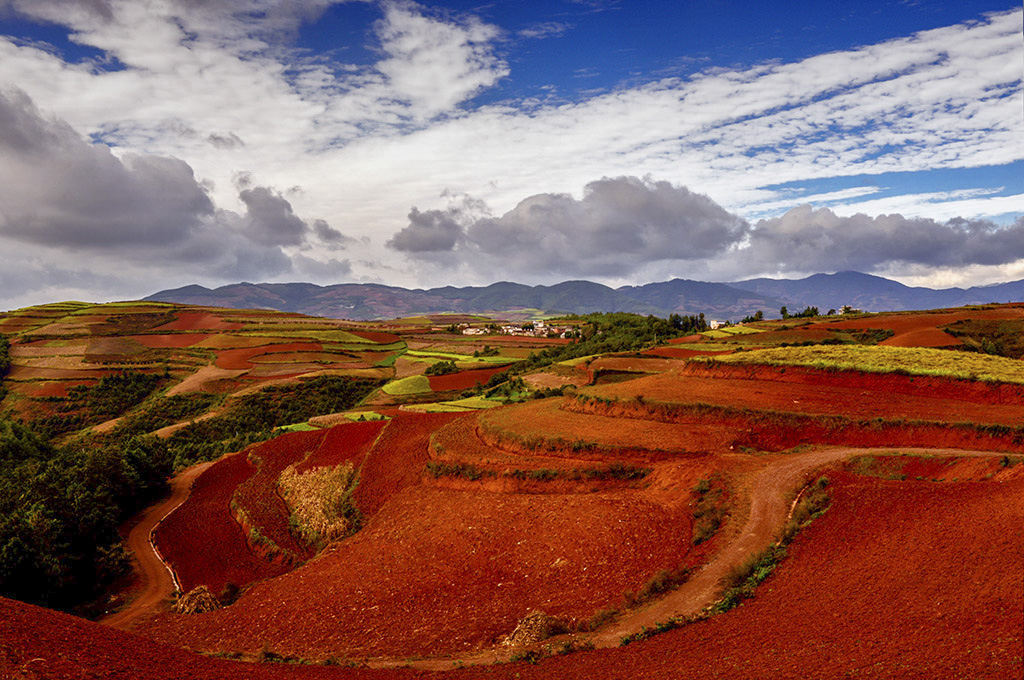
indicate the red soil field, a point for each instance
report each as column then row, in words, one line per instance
column 201, row 539
column 459, row 442
column 634, row 364
column 697, row 337
column 440, row 571
column 300, row 357
column 349, row 441
column 626, row 439
column 169, row 341
column 922, row 337
column 28, row 373
column 883, row 383
column 397, row 458
column 199, row 321
column 51, row 389
column 463, row 380
column 874, row 588
column 922, row 330
column 37, row 643
column 680, row 353
column 378, row 337
column 257, row 497
column 238, row 359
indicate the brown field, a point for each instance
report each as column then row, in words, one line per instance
column 199, row 321
column 463, row 380
column 170, row 340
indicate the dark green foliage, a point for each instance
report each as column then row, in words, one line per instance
column 688, row 324
column 88, row 405
column 253, row 417
column 60, row 509
column 442, row 368
column 5, row 355
column 164, row 411
column 709, row 512
column 750, row 575
column 487, row 351
column 758, row 316
column 1003, row 338
column 448, row 469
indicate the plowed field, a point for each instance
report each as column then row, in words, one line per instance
column 219, row 553
column 199, row 321
column 520, row 426
column 872, row 398
column 257, row 497
column 463, row 380
column 444, row 571
column 349, row 441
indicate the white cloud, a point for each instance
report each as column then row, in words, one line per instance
column 211, row 83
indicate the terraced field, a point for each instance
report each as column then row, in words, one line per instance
column 621, row 506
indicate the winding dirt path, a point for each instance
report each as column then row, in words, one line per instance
column 156, row 577
column 772, row 491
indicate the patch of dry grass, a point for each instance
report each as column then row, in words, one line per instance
column 320, row 501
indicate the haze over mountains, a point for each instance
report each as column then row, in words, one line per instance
column 717, row 300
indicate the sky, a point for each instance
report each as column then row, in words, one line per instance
column 151, row 144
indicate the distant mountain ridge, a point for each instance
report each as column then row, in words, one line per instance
column 721, row 301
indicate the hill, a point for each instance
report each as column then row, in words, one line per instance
column 724, row 301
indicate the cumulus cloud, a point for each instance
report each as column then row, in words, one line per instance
column 62, row 195
column 806, row 238
column 58, row 190
column 430, row 231
column 624, row 227
column 618, row 225
column 436, row 64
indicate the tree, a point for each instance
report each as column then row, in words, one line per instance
column 784, row 312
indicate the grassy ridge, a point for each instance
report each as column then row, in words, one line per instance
column 877, row 359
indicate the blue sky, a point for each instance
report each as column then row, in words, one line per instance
column 146, row 145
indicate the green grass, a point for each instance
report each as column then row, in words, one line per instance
column 456, row 406
column 313, row 336
column 357, row 416
column 430, row 356
column 414, row 384
column 874, row 359
column 703, row 346
column 740, row 330
column 437, row 407
column 298, row 427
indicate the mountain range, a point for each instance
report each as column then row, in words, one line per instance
column 721, row 301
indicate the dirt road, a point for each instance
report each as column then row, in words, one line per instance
column 157, row 583
column 772, row 490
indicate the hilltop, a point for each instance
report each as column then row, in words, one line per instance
column 723, row 301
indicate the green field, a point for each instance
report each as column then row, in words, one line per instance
column 414, row 384
column 878, row 359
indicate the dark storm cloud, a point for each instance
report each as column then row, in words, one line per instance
column 619, row 224
column 330, row 235
column 58, row 190
column 269, row 218
column 429, row 231
column 806, row 239
column 62, row 194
